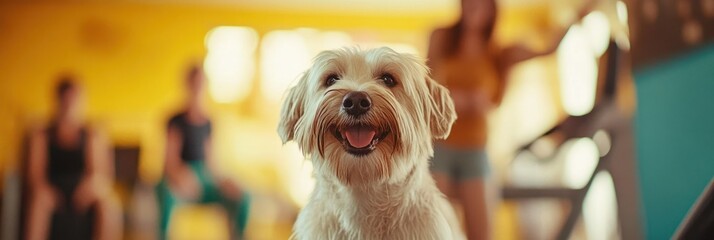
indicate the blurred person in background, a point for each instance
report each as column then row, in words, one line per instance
column 190, row 172
column 465, row 58
column 70, row 172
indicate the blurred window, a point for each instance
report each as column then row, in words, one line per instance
column 230, row 62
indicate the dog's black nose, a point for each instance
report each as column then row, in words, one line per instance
column 356, row 103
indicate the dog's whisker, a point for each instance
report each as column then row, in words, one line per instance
column 329, row 91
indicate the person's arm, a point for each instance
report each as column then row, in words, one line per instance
column 181, row 178
column 208, row 153
column 98, row 175
column 210, row 160
column 37, row 160
column 174, row 167
column 517, row 53
column 173, row 150
column 100, row 160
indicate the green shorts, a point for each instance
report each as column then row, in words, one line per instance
column 237, row 208
column 460, row 164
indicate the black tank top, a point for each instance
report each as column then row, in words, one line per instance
column 193, row 137
column 65, row 162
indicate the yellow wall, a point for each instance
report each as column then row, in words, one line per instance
column 130, row 58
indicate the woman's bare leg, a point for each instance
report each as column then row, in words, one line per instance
column 109, row 219
column 233, row 195
column 229, row 189
column 444, row 183
column 42, row 204
column 473, row 196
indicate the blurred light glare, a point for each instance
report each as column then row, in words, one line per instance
column 577, row 68
column 534, row 100
column 597, row 28
column 299, row 175
column 543, row 147
column 528, row 170
column 600, row 209
column 285, row 54
column 622, row 12
column 335, row 40
column 230, row 62
column 602, row 139
column 622, row 40
column 580, row 161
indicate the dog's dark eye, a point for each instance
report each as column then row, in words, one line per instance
column 388, row 80
column 331, row 79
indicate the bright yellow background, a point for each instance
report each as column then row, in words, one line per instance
column 131, row 57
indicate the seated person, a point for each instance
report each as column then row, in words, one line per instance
column 69, row 174
column 190, row 173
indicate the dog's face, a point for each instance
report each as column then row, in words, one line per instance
column 366, row 116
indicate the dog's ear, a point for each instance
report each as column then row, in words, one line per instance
column 442, row 114
column 292, row 110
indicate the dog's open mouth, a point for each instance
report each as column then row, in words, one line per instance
column 359, row 140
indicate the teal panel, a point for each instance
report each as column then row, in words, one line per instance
column 674, row 126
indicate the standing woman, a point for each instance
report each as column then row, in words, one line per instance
column 70, row 171
column 190, row 173
column 465, row 58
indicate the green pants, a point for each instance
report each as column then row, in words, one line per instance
column 237, row 209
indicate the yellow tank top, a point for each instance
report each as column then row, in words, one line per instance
column 474, row 85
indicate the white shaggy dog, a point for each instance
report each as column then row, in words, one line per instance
column 367, row 119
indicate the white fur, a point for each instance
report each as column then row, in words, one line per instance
column 389, row 193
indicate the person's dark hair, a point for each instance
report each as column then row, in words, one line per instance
column 456, row 31
column 64, row 85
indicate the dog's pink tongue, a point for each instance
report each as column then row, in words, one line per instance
column 359, row 137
